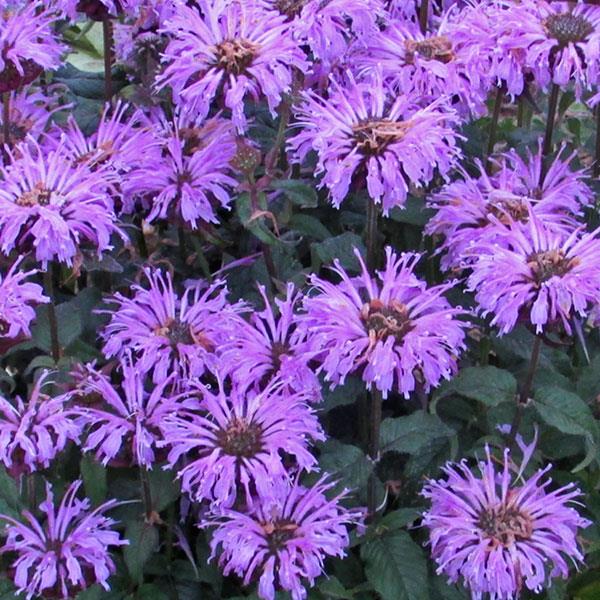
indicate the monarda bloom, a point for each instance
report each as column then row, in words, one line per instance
column 32, row 433
column 121, row 422
column 230, row 49
column 468, row 209
column 193, row 176
column 53, row 205
column 17, row 300
column 284, row 540
column 28, row 45
column 536, row 275
column 272, row 346
column 393, row 330
column 67, row 551
column 499, row 533
column 559, row 40
column 446, row 62
column 234, row 442
column 168, row 333
column 365, row 136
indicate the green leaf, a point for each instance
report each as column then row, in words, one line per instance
column 346, row 462
column 397, row 519
column 413, row 212
column 331, row 587
column 143, row 541
column 488, row 385
column 10, row 503
column 342, row 395
column 310, row 226
column 411, row 433
column 256, row 225
column 94, row 479
column 163, row 489
column 396, row 567
column 298, row 192
column 340, row 247
column 68, row 317
column 106, row 264
column 150, row 591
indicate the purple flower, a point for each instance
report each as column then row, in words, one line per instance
column 272, row 346
column 122, row 422
column 193, row 175
column 27, row 43
column 468, row 208
column 394, row 331
column 233, row 443
column 535, row 274
column 230, row 48
column 33, row 433
column 558, row 42
column 449, row 61
column 16, row 299
column 285, row 539
column 363, row 132
column 54, row 205
column 168, row 333
column 68, row 551
column 500, row 533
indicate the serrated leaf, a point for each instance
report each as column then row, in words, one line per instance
column 300, row 193
column 331, row 587
column 413, row 212
column 143, row 541
column 409, row 434
column 347, row 463
column 69, row 323
column 342, row 395
column 396, row 567
column 489, row 385
column 392, row 521
column 340, row 247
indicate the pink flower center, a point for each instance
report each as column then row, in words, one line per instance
column 373, row 137
column 241, row 438
column 505, row 526
column 382, row 321
column 438, row 48
column 235, row 56
column 548, row 264
column 567, row 28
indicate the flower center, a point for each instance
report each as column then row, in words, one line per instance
column 509, row 208
column 382, row 321
column 567, row 28
column 290, row 8
column 548, row 264
column 278, row 532
column 505, row 525
column 277, row 351
column 38, row 196
column 241, row 439
column 438, row 48
column 178, row 332
column 235, row 56
column 373, row 137
column 4, row 326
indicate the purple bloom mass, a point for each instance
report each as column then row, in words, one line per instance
column 367, row 136
column 235, row 440
column 284, row 540
column 167, row 333
column 16, row 299
column 229, row 47
column 54, row 205
column 33, row 433
column 535, row 274
column 65, row 553
column 500, row 534
column 395, row 331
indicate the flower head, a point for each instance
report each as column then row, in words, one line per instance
column 536, row 274
column 121, row 423
column 272, row 346
column 193, row 175
column 235, row 440
column 168, row 333
column 233, row 48
column 32, row 433
column 28, row 45
column 54, row 205
column 468, row 209
column 362, row 136
column 68, row 551
column 498, row 533
column 394, row 331
column 284, row 539
column 16, row 299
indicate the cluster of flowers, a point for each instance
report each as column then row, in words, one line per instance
column 233, row 390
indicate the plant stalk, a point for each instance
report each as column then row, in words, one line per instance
column 146, row 494
column 549, row 133
column 596, row 169
column 374, row 426
column 494, row 124
column 107, row 33
column 371, row 235
column 6, row 119
column 49, row 289
column 424, row 15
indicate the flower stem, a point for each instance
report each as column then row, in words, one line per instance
column 520, row 112
column 371, row 235
column 494, row 124
column 596, row 170
column 146, row 493
column 107, row 32
column 550, row 122
column 424, row 15
column 525, row 390
column 53, row 323
column 375, row 426
column 6, row 118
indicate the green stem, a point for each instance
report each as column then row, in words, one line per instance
column 146, row 493
column 182, row 244
column 107, row 33
column 424, row 15
column 272, row 157
column 142, row 246
column 6, row 118
column 371, row 235
column 525, row 390
column 548, row 135
column 53, row 323
column 596, row 170
column 375, row 427
column 520, row 112
column 494, row 124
